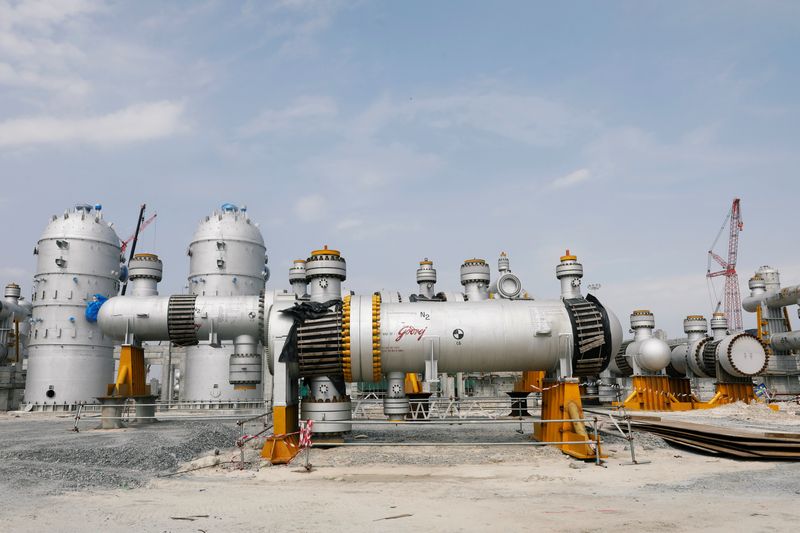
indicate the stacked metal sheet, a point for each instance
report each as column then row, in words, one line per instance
column 723, row 441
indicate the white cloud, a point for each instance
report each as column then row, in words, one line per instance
column 43, row 15
column 138, row 122
column 520, row 117
column 13, row 77
column 302, row 115
column 372, row 166
column 310, row 208
column 291, row 27
column 40, row 49
column 571, row 179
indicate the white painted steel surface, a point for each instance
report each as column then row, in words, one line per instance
column 227, row 257
column 70, row 359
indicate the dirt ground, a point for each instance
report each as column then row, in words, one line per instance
column 469, row 488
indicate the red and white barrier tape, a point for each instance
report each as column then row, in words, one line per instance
column 305, row 434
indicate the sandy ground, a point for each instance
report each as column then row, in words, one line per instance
column 434, row 489
column 685, row 493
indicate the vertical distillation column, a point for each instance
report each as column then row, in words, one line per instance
column 14, row 314
column 70, row 361
column 227, row 257
column 14, row 326
column 774, row 329
column 327, row 404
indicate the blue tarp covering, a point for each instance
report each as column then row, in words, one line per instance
column 93, row 307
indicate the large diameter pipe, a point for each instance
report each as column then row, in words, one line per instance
column 785, row 341
column 8, row 309
column 147, row 318
column 489, row 336
column 782, row 298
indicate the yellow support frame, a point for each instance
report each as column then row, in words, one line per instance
column 562, row 401
column 131, row 376
column 283, row 445
column 655, row 393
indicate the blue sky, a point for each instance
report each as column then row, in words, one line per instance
column 401, row 130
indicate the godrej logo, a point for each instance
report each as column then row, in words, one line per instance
column 411, row 331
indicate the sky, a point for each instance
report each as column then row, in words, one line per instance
column 395, row 131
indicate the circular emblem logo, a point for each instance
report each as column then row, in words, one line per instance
column 458, row 334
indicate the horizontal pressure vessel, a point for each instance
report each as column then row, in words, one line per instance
column 486, row 336
column 153, row 318
column 785, row 341
column 782, row 298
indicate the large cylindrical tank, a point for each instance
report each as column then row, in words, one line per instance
column 227, row 257
column 489, row 336
column 69, row 359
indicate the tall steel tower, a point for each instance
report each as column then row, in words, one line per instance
column 733, row 301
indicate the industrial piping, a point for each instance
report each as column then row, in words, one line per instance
column 365, row 339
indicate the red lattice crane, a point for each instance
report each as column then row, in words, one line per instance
column 127, row 241
column 733, row 300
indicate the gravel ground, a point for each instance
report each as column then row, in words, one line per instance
column 166, row 477
column 40, row 457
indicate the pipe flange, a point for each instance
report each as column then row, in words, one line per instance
column 347, row 366
column 262, row 330
column 377, row 372
column 731, row 359
column 326, row 263
column 642, row 318
column 475, row 271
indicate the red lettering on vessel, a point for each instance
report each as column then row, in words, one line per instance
column 411, row 331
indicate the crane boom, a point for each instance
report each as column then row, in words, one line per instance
column 733, row 300
column 127, row 241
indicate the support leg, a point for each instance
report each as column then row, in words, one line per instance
column 283, row 445
column 561, row 400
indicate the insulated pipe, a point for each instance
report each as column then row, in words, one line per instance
column 150, row 318
column 9, row 309
column 782, row 298
column 785, row 341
